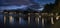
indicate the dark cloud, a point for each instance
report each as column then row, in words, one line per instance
column 14, row 2
column 31, row 3
column 25, row 2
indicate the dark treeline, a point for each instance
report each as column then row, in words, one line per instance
column 54, row 8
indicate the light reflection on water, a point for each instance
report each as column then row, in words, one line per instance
column 22, row 22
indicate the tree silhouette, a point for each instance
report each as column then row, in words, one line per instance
column 48, row 8
column 57, row 6
column 52, row 7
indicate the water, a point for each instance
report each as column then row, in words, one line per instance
column 24, row 23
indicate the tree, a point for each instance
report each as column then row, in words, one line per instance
column 48, row 8
column 52, row 7
column 57, row 6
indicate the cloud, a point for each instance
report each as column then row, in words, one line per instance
column 13, row 7
column 25, row 2
column 14, row 4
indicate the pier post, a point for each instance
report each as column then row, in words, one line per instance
column 43, row 22
column 28, row 18
column 20, row 14
column 4, row 19
column 52, row 21
column 37, row 18
column 11, row 19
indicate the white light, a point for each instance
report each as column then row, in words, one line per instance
column 57, row 17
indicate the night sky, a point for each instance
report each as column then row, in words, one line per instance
column 15, row 4
column 22, row 4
